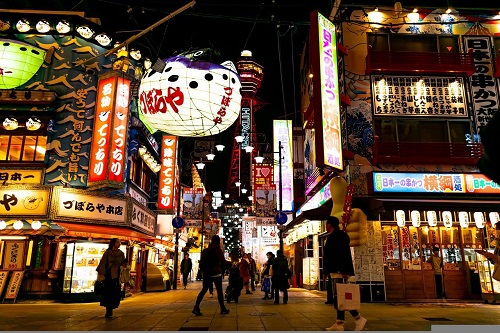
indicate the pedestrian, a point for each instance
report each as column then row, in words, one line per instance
column 108, row 271
column 437, row 268
column 235, row 282
column 245, row 273
column 253, row 271
column 124, row 277
column 186, row 267
column 338, row 261
column 281, row 274
column 211, row 262
column 266, row 277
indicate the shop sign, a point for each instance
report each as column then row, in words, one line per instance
column 269, row 235
column 316, row 200
column 265, row 221
column 109, row 139
column 483, row 85
column 433, row 183
column 192, row 224
column 137, row 196
column 20, row 176
column 282, row 132
column 14, row 285
column 76, row 206
column 326, row 96
column 168, row 180
column 3, row 280
column 14, row 255
column 192, row 208
column 143, row 219
column 418, row 96
column 24, row 202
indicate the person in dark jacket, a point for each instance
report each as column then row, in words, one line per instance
column 108, row 271
column 186, row 267
column 211, row 262
column 338, row 262
column 235, row 282
column 281, row 274
column 253, row 270
column 266, row 277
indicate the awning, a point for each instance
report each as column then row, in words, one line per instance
column 320, row 213
column 103, row 231
column 46, row 228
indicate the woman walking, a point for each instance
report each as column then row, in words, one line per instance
column 245, row 273
column 108, row 271
column 266, row 277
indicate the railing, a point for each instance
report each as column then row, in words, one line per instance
column 390, row 152
column 419, row 62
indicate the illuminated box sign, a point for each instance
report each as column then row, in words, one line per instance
column 193, row 204
column 316, row 200
column 433, row 183
column 167, row 182
column 33, row 202
column 326, row 97
column 14, row 255
column 418, row 96
column 109, row 138
column 143, row 219
column 265, row 200
column 262, row 174
column 20, row 176
column 282, row 132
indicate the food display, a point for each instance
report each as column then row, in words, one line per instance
column 82, row 259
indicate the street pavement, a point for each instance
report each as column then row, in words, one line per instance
column 306, row 311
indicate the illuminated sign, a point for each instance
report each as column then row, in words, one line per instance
column 262, row 174
column 75, row 205
column 24, row 202
column 193, row 203
column 434, row 183
column 109, row 138
column 265, row 200
column 20, row 176
column 418, row 96
column 167, row 182
column 282, row 132
column 316, row 200
column 143, row 219
column 191, row 98
column 326, row 97
column 20, row 61
column 14, row 255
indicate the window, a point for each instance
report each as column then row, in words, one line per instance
column 415, row 43
column 140, row 174
column 22, row 148
column 418, row 130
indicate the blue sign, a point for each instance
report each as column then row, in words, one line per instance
column 178, row 222
column 280, row 218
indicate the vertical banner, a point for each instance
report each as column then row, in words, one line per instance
column 14, row 255
column 482, row 83
column 119, row 131
column 192, row 209
column 265, row 200
column 167, row 179
column 282, row 133
column 14, row 284
column 3, row 280
column 326, row 98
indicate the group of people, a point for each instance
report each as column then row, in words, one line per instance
column 338, row 267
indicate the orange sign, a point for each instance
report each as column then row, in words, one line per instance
column 99, row 156
column 167, row 172
column 119, row 130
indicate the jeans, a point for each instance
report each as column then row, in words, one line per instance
column 185, row 278
column 439, row 285
column 207, row 284
column 340, row 314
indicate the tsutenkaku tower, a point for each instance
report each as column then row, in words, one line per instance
column 251, row 75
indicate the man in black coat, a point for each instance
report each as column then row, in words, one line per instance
column 338, row 262
column 186, row 267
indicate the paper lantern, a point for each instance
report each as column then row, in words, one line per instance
column 479, row 219
column 447, row 218
column 415, row 218
column 400, row 218
column 494, row 218
column 20, row 61
column 18, row 224
column 36, row 225
column 3, row 225
column 431, row 218
column 463, row 218
column 191, row 98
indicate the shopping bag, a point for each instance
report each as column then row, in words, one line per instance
column 348, row 296
column 266, row 285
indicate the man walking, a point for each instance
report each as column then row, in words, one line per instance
column 186, row 267
column 338, row 261
column 253, row 270
column 211, row 263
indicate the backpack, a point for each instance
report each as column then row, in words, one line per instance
column 281, row 268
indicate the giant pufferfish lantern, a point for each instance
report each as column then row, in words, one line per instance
column 191, row 98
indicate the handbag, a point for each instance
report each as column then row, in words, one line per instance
column 348, row 296
column 98, row 287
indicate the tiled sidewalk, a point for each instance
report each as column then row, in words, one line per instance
column 171, row 311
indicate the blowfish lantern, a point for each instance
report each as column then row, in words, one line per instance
column 191, row 98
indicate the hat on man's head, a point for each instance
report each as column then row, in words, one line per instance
column 215, row 239
column 333, row 221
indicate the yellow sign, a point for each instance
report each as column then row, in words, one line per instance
column 14, row 285
column 24, row 202
column 20, row 176
column 14, row 255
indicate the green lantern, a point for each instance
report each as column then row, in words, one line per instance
column 18, row 63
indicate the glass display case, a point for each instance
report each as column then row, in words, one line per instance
column 311, row 272
column 81, row 262
column 490, row 288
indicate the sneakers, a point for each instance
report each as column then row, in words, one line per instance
column 197, row 312
column 360, row 324
column 224, row 311
column 336, row 327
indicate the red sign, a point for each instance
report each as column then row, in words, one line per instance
column 167, row 172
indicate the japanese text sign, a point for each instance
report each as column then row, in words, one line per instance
column 24, row 202
column 18, row 176
column 14, row 255
column 167, row 181
column 143, row 219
